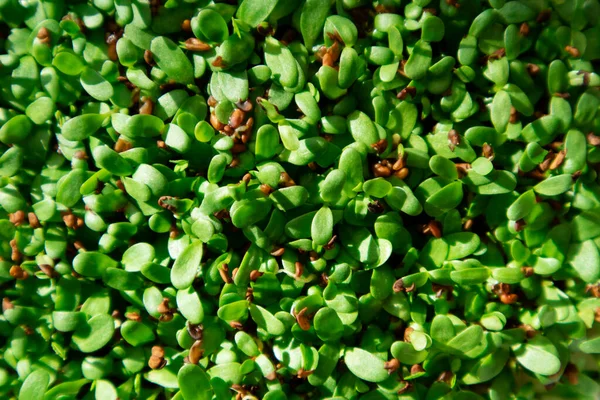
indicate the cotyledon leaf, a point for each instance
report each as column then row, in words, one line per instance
column 187, row 265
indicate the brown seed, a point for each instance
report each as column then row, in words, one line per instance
column 572, row 374
column 249, row 294
column 468, row 224
column 221, row 214
column 488, row 151
column 379, row 170
column 529, row 330
column 186, row 25
column 462, row 169
column 453, row 139
column 15, row 252
column 411, row 288
column 166, row 317
column 148, row 58
column 324, row 279
column 155, row 362
column 407, row 91
column 586, row 77
column 398, row 286
column 18, row 273
column 224, row 273
column 313, row 256
column 435, row 228
column 196, row 331
column 407, row 385
column 147, row 107
column 399, row 164
column 245, row 106
column 453, row 3
column 112, row 51
column 439, row 290
column 514, row 116
column 594, row 290
column 524, row 29
column 212, row 102
column 266, row 189
column 238, row 148
column 219, row 63
column 133, row 316
column 407, row 332
column 7, row 304
column 527, row 271
column 163, row 307
column 303, row 374
column 573, row 51
column 593, row 139
column 498, row 54
column 500, row 288
column 278, row 252
column 236, row 325
column 510, row 298
column 196, row 352
column 195, row 44
column 158, row 351
column 544, row 165
column 17, row 218
column 120, row 185
column 69, row 219
column 299, row 269
column 246, row 136
column 327, row 60
column 331, row 244
column 255, row 274
column 48, row 270
column 380, row 146
column 446, row 377
column 557, row 160
column 163, row 201
column 236, row 118
column 122, row 145
column 320, row 53
column 285, row 180
column 520, row 225
column 44, row 35
column 312, row 165
column 214, row 121
column 302, row 319
column 533, row 69
column 234, row 272
column 235, row 162
column 246, row 178
column 416, row 368
column 34, row 222
column 271, row 376
column 402, row 174
column 80, row 155
column 334, row 50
